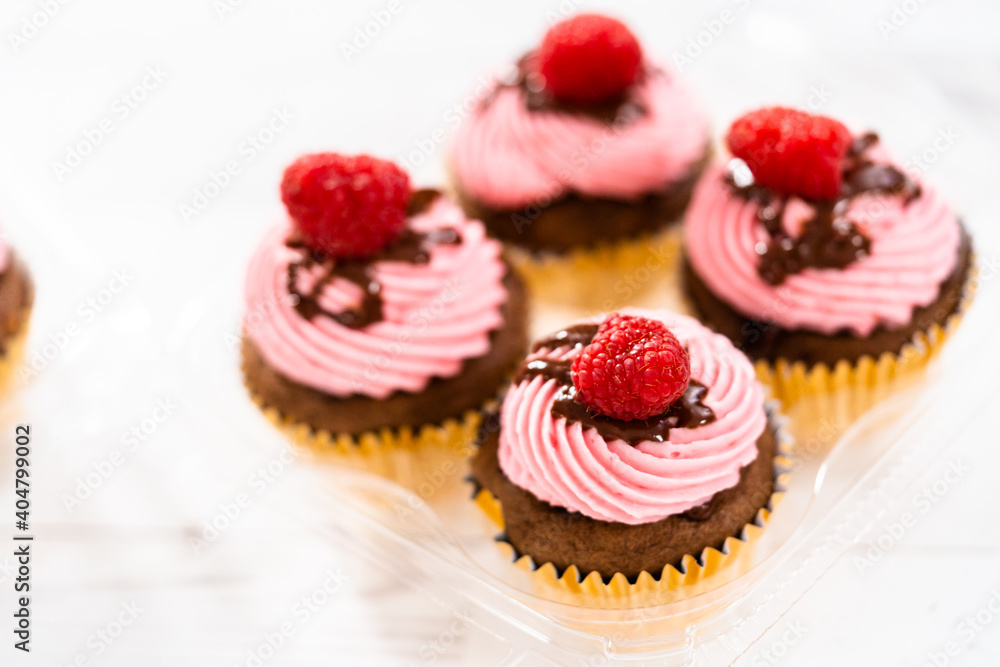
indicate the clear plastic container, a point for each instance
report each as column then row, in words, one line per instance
column 843, row 475
column 172, row 334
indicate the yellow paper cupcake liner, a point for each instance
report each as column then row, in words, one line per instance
column 11, row 359
column 423, row 458
column 844, row 392
column 603, row 278
column 694, row 576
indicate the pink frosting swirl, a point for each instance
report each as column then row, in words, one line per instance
column 573, row 467
column 914, row 248
column 509, row 156
column 435, row 315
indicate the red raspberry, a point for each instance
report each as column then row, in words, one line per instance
column 634, row 369
column 589, row 59
column 348, row 206
column 792, row 152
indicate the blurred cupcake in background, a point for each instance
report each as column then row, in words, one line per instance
column 378, row 320
column 581, row 156
column 17, row 294
column 821, row 258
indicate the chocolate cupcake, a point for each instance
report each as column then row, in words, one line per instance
column 17, row 295
column 376, row 313
column 631, row 449
column 820, row 257
column 587, row 145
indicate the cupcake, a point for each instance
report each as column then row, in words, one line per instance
column 375, row 313
column 633, row 447
column 16, row 297
column 820, row 257
column 588, row 143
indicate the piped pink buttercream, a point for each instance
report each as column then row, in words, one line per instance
column 435, row 315
column 508, row 156
column 573, row 467
column 914, row 248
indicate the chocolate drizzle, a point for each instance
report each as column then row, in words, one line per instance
column 688, row 411
column 577, row 335
column 411, row 247
column 621, row 110
column 828, row 240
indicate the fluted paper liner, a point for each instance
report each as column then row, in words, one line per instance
column 15, row 351
column 848, row 389
column 695, row 574
column 605, row 277
column 409, row 455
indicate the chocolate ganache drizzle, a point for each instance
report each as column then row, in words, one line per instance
column 412, row 247
column 829, row 240
column 621, row 110
column 688, row 411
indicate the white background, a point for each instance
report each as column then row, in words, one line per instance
column 910, row 70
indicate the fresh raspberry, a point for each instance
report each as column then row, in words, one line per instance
column 348, row 206
column 792, row 152
column 634, row 368
column 589, row 59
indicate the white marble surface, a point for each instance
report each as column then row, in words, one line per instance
column 225, row 75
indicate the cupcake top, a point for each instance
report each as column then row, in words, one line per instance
column 585, row 113
column 631, row 418
column 370, row 288
column 812, row 227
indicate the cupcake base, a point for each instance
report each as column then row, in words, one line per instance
column 603, row 278
column 766, row 341
column 444, row 398
column 577, row 221
column 16, row 297
column 553, row 535
column 17, row 294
